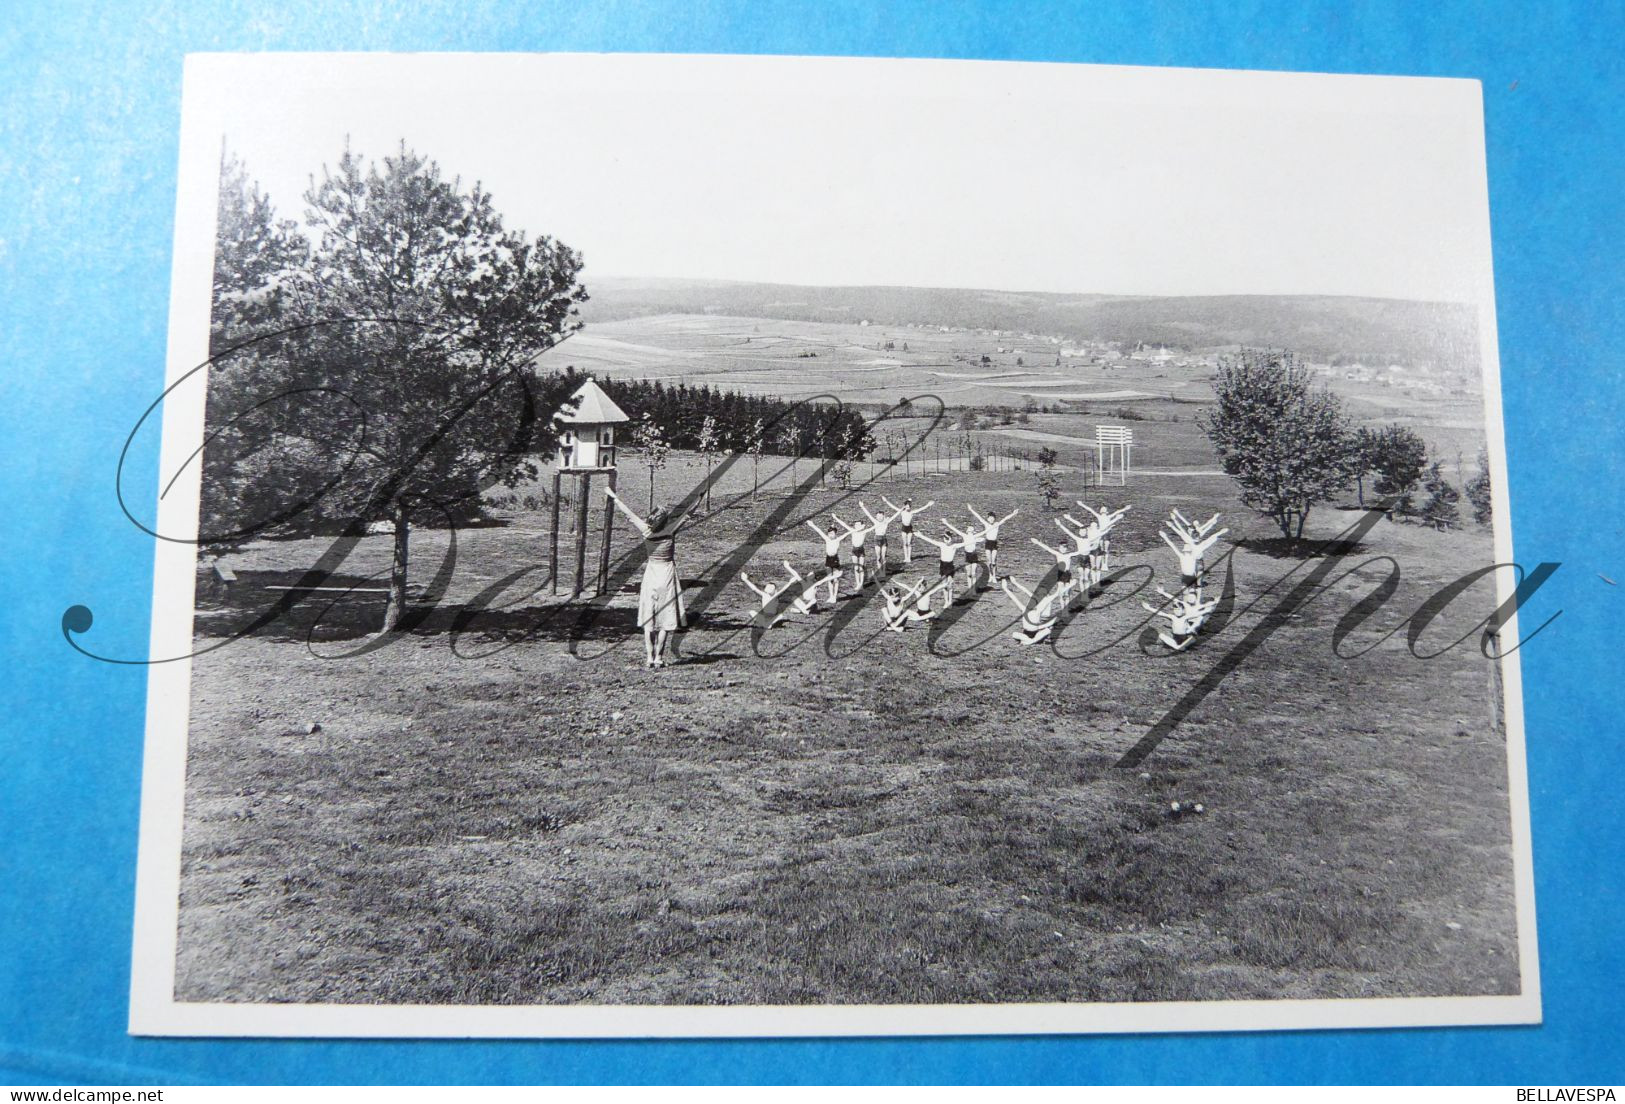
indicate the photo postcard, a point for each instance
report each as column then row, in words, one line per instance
column 763, row 546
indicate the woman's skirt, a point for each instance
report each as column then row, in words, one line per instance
column 660, row 600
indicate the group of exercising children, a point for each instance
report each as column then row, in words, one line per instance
column 967, row 565
column 802, row 592
column 1186, row 612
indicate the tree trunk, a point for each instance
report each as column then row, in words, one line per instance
column 1359, row 488
column 1303, row 516
column 397, row 571
column 651, row 488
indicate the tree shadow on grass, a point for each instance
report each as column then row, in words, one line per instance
column 1279, row 548
column 332, row 528
column 348, row 607
column 705, row 659
column 351, row 607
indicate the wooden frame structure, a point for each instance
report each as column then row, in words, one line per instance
column 1114, row 443
column 583, row 478
column 586, row 449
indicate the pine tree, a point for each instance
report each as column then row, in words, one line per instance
column 256, row 257
column 414, row 316
column 1440, row 510
column 1478, row 491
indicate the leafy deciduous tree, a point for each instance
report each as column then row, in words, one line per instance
column 758, row 441
column 1049, row 486
column 1362, row 453
column 1399, row 457
column 650, row 441
column 1286, row 442
column 709, row 442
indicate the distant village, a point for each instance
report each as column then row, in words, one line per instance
column 1031, row 349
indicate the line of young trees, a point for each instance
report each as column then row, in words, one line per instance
column 703, row 418
column 1291, row 445
column 948, row 451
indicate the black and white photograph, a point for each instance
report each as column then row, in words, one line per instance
column 660, row 545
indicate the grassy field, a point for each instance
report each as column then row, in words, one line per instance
column 804, row 359
column 506, row 806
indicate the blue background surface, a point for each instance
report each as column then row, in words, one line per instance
column 88, row 145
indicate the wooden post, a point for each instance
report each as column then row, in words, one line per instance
column 581, row 533
column 553, row 542
column 609, row 527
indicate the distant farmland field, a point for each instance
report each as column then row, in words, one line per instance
column 853, row 363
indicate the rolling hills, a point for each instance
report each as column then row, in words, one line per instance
column 1386, row 331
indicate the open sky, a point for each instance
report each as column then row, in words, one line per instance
column 1021, row 177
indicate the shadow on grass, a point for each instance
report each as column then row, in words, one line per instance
column 351, row 607
column 339, row 527
column 1279, row 548
column 707, row 658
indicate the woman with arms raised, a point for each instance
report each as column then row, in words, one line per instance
column 660, row 598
